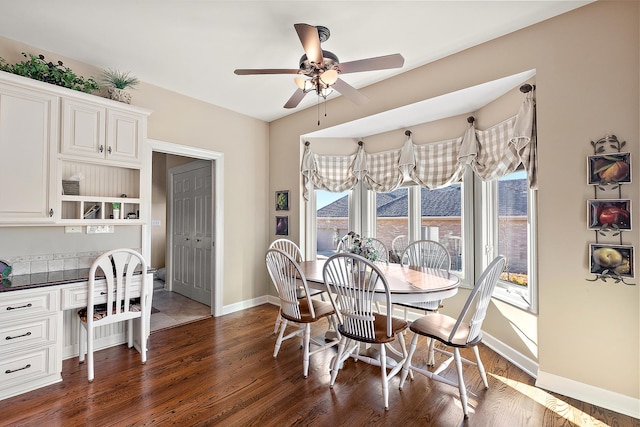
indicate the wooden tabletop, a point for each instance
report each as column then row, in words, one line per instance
column 406, row 284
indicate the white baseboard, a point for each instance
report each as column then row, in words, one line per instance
column 528, row 365
column 587, row 393
column 242, row 305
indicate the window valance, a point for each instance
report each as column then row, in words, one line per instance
column 491, row 153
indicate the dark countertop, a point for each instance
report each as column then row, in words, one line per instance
column 50, row 278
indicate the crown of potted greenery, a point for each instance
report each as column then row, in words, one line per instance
column 38, row 68
column 116, row 82
column 119, row 79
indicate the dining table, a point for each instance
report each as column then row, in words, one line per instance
column 407, row 284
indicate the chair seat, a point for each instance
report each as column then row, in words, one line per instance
column 100, row 311
column 380, row 325
column 321, row 308
column 439, row 326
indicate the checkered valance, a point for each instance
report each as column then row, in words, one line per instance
column 491, row 154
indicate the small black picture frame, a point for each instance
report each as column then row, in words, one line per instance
column 609, row 213
column 282, row 225
column 282, row 200
column 611, row 260
column 609, row 168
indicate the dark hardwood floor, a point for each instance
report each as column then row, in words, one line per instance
column 220, row 371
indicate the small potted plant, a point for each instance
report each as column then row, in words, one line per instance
column 116, row 82
column 116, row 210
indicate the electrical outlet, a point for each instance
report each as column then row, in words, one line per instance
column 99, row 229
column 155, row 222
column 73, row 229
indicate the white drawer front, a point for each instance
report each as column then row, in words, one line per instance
column 16, row 335
column 18, row 304
column 27, row 366
column 76, row 296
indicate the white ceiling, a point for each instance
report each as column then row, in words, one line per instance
column 193, row 46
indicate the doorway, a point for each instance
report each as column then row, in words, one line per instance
column 157, row 223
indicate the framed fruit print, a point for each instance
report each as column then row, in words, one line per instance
column 282, row 200
column 609, row 214
column 612, row 260
column 609, row 168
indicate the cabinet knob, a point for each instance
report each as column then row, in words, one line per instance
column 102, row 148
column 50, row 212
column 109, row 150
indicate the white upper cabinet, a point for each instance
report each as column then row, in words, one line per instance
column 28, row 139
column 50, row 134
column 92, row 131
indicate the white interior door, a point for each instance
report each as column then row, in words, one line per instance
column 191, row 223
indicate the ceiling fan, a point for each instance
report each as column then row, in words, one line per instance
column 321, row 68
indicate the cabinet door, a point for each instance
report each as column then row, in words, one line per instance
column 83, row 129
column 124, row 133
column 28, row 138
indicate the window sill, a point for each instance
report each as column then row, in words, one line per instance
column 513, row 297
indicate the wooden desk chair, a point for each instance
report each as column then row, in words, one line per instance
column 288, row 279
column 289, row 247
column 462, row 332
column 118, row 267
column 350, row 280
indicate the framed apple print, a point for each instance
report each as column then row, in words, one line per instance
column 609, row 214
column 609, row 168
column 613, row 260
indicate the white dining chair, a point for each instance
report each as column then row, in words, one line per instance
column 461, row 332
column 303, row 310
column 398, row 245
column 290, row 247
column 351, row 282
column 121, row 269
column 430, row 254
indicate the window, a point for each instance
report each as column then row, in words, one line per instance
column 332, row 220
column 475, row 220
column 508, row 227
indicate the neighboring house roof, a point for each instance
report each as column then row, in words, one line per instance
column 440, row 202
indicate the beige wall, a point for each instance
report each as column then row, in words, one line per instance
column 587, row 79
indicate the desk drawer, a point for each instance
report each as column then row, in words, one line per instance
column 76, row 296
column 29, row 333
column 18, row 304
column 27, row 366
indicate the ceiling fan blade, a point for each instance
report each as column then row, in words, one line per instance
column 295, row 99
column 350, row 92
column 378, row 63
column 245, row 72
column 308, row 35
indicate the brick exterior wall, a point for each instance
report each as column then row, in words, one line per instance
column 513, row 232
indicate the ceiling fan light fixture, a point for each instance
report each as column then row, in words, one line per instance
column 329, row 77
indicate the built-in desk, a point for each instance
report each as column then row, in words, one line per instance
column 39, row 326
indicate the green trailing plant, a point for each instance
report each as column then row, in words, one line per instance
column 38, row 68
column 119, row 79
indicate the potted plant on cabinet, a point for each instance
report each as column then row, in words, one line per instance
column 116, row 210
column 116, row 82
